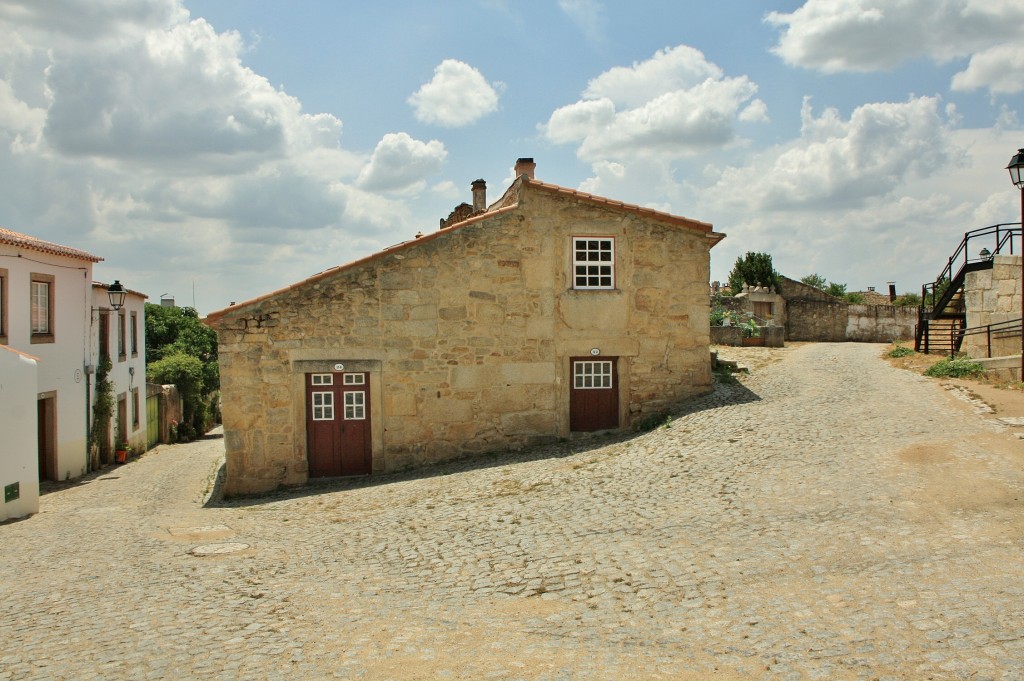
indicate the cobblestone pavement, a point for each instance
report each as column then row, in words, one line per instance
column 830, row 517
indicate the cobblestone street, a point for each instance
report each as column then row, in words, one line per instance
column 828, row 517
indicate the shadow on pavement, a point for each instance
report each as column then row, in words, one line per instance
column 726, row 393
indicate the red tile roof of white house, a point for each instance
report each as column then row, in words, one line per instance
column 33, row 244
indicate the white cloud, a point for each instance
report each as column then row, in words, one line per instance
column 1000, row 69
column 872, row 35
column 457, row 95
column 843, row 163
column 669, row 70
column 91, row 20
column 402, row 164
column 179, row 95
column 672, row 105
column 132, row 131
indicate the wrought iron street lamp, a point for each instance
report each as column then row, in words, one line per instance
column 1016, row 169
column 116, row 293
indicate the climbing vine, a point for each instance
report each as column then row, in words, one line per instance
column 102, row 408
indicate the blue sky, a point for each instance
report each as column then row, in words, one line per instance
column 232, row 147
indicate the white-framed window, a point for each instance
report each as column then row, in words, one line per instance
column 323, row 379
column 355, row 379
column 41, row 305
column 355, row 406
column 592, row 375
column 121, row 331
column 3, row 306
column 323, row 406
column 135, row 334
column 593, row 262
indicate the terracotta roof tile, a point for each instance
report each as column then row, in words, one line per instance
column 34, row 244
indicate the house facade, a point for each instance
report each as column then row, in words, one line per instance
column 19, row 474
column 120, row 336
column 46, row 291
column 50, row 310
column 550, row 312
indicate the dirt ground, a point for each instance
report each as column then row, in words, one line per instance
column 1005, row 400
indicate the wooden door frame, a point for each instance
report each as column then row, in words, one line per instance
column 47, row 402
column 308, row 361
column 615, row 389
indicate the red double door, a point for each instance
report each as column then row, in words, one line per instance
column 338, row 439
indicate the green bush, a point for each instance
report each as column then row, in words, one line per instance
column 958, row 367
column 900, row 351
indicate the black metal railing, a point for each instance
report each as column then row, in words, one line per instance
column 1007, row 329
column 1000, row 237
column 937, row 296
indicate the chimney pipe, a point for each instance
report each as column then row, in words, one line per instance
column 892, row 291
column 479, row 196
column 525, row 166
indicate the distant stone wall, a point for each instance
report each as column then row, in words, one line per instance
column 814, row 320
column 880, row 323
column 993, row 296
column 813, row 315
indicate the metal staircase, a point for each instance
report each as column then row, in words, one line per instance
column 942, row 315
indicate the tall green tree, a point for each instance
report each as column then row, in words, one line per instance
column 815, row 280
column 755, row 269
column 181, row 350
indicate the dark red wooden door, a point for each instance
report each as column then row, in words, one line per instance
column 338, row 424
column 593, row 394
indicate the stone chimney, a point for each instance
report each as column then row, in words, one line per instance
column 525, row 166
column 479, row 196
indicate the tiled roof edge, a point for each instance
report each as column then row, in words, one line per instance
column 20, row 240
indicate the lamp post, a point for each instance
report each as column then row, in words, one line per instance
column 1016, row 169
column 116, row 293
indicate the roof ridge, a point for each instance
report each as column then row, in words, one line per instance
column 614, row 203
column 12, row 238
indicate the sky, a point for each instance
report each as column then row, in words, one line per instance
column 217, row 150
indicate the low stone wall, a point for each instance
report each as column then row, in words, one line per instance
column 774, row 336
column 880, row 323
column 816, row 320
column 835, row 322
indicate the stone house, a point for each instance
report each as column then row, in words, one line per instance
column 549, row 312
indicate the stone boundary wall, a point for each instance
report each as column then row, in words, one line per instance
column 774, row 336
column 815, row 320
column 880, row 323
column 993, row 296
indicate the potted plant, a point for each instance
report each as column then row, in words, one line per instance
column 752, row 333
column 122, row 452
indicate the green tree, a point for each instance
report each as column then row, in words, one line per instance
column 815, row 280
column 837, row 290
column 755, row 269
column 907, row 300
column 181, row 350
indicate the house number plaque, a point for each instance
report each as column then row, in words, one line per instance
column 339, row 367
column 595, row 352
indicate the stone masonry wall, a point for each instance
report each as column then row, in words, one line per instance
column 467, row 335
column 993, row 296
column 880, row 323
